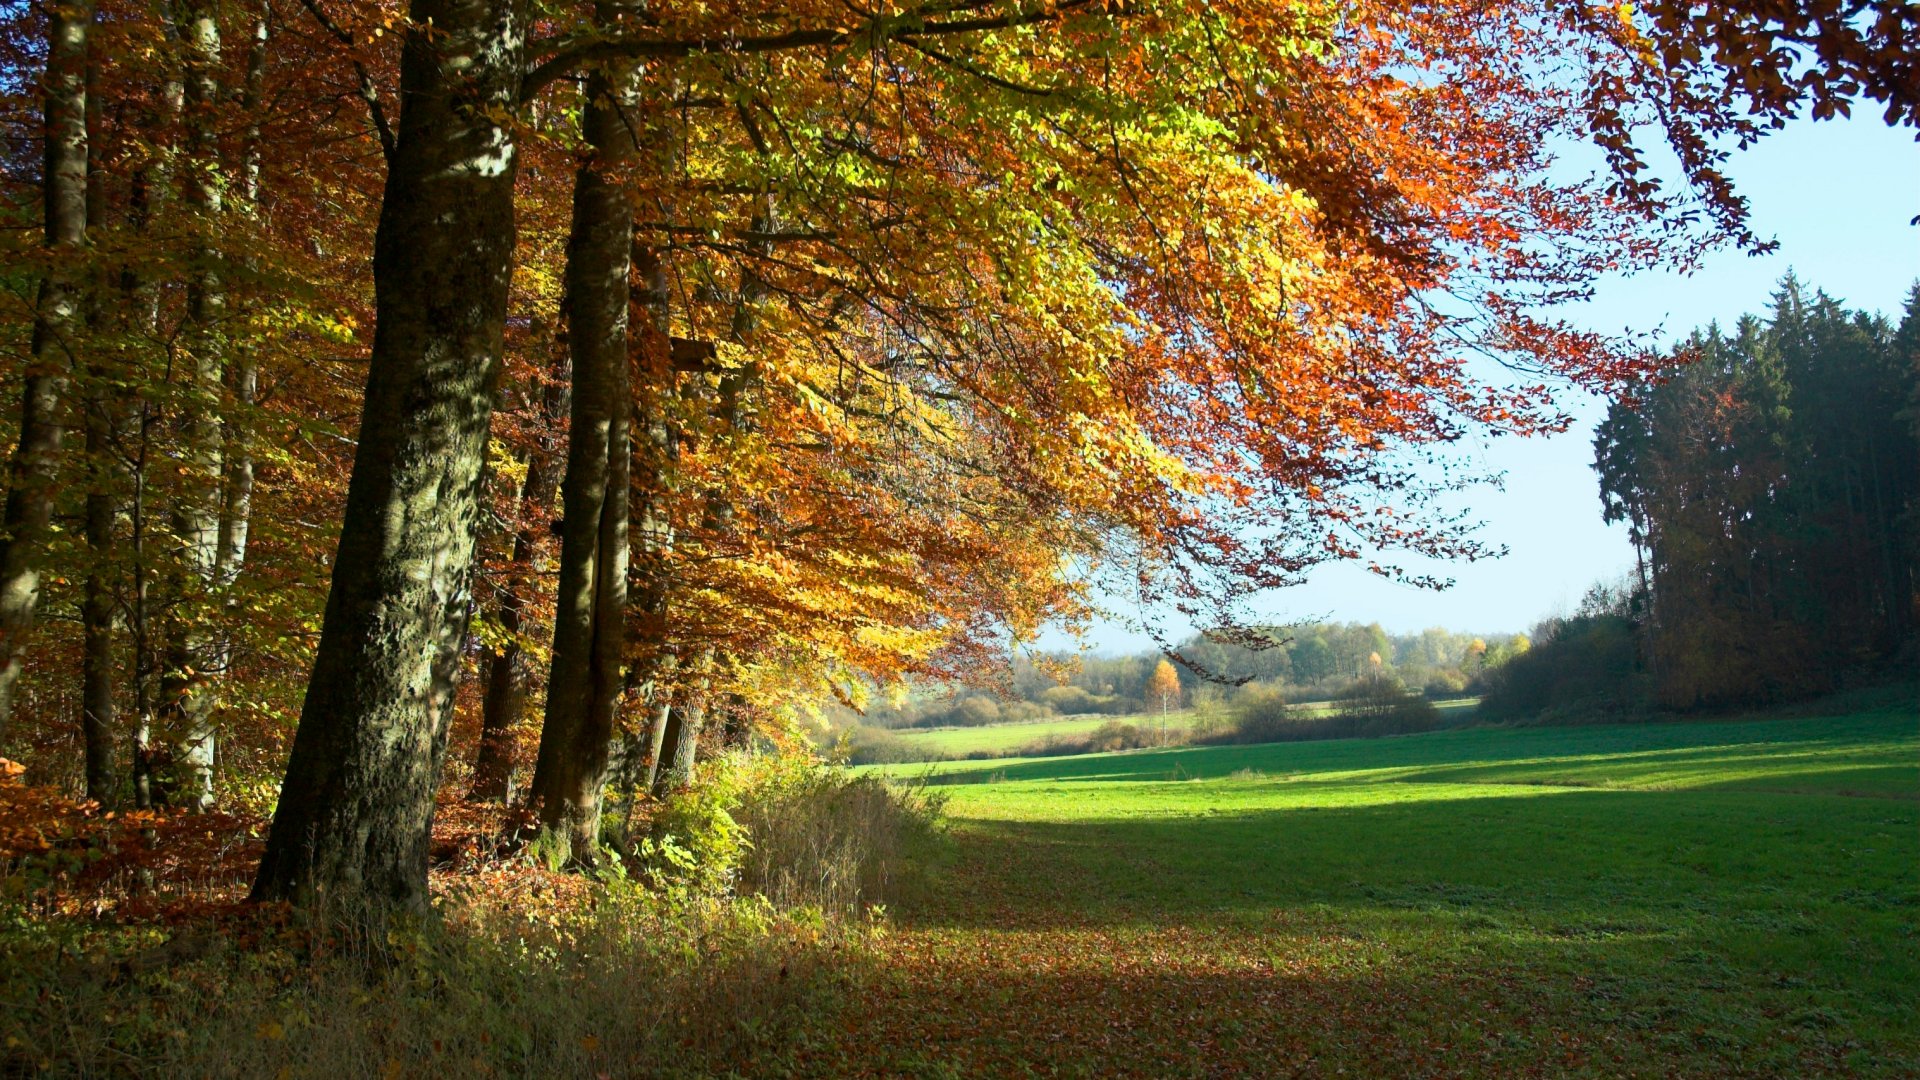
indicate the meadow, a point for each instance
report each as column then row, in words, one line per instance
column 1011, row 738
column 1710, row 899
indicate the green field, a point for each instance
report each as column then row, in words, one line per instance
column 1703, row 899
column 1010, row 738
column 1007, row 738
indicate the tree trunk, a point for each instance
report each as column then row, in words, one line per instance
column 193, row 651
column 152, row 189
column 30, row 490
column 684, row 754
column 509, row 674
column 98, row 704
column 585, row 684
column 356, row 810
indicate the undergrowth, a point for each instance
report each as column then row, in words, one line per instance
column 731, row 924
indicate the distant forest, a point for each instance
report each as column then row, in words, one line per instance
column 1772, row 490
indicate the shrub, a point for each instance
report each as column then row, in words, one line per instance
column 1366, row 709
column 1584, row 667
column 1068, row 700
column 1107, row 738
column 797, row 833
column 827, row 839
column 974, row 712
column 866, row 745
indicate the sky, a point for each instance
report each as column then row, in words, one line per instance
column 1838, row 196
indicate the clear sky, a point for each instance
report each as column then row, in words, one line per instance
column 1838, row 196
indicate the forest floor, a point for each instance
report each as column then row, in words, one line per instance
column 1704, row 899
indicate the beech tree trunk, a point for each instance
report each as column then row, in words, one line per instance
column 509, row 672
column 192, row 647
column 356, row 810
column 31, row 474
column 586, row 680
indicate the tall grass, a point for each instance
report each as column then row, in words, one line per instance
column 704, row 948
column 625, row 986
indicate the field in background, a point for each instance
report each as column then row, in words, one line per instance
column 1002, row 739
column 1707, row 899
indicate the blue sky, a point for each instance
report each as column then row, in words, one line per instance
column 1838, row 196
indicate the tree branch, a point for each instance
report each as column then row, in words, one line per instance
column 921, row 23
column 369, row 93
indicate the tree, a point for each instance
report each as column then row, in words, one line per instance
column 56, row 327
column 356, row 809
column 1164, row 687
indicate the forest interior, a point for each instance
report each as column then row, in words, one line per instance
column 515, row 510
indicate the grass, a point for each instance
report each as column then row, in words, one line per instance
column 1708, row 899
column 1001, row 739
column 1007, row 738
column 1735, row 899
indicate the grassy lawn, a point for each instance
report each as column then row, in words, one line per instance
column 1705, row 899
column 1008, row 738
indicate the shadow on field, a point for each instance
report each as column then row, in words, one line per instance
column 1557, row 863
column 1774, row 756
column 1562, row 932
column 1135, row 1013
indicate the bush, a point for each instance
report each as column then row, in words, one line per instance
column 865, row 745
column 827, row 839
column 797, row 833
column 1105, row 739
column 1068, row 700
column 1380, row 705
column 974, row 712
column 1367, row 709
column 1584, row 667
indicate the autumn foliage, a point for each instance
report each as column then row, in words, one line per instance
column 931, row 326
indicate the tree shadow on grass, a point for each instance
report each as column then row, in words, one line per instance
column 1854, row 755
column 1142, row 1014
column 1715, row 917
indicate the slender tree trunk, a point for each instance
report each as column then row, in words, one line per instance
column 31, row 475
column 509, row 671
column 656, row 447
column 193, row 650
column 98, row 705
column 243, row 373
column 152, row 190
column 356, row 810
column 586, row 680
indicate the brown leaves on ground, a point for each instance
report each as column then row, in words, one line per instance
column 74, row 858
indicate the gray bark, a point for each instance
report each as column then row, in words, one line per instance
column 586, row 681
column 31, row 474
column 194, row 653
column 355, row 814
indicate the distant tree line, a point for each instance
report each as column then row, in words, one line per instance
column 1771, row 487
column 1308, row 662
